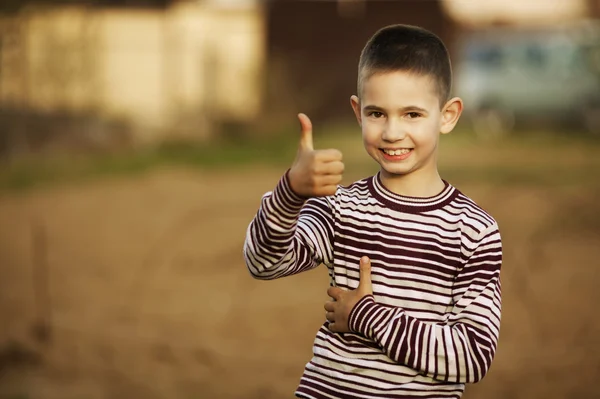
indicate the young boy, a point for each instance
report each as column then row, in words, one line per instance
column 414, row 263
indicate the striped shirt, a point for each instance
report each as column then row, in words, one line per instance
column 433, row 321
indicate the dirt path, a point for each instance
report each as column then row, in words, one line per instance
column 149, row 296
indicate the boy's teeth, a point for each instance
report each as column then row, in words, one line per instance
column 397, row 152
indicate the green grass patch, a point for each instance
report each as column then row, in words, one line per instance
column 522, row 158
column 26, row 174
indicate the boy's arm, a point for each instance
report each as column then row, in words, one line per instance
column 289, row 234
column 459, row 350
column 293, row 229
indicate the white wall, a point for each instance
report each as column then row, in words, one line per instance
column 156, row 69
column 530, row 12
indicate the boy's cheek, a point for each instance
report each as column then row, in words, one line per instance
column 370, row 134
column 426, row 126
column 371, row 127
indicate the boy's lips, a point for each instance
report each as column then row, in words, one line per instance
column 396, row 154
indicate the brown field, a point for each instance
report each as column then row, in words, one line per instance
column 147, row 295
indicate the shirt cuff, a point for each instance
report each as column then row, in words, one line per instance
column 367, row 316
column 360, row 318
column 286, row 197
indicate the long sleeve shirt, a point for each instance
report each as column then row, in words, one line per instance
column 432, row 323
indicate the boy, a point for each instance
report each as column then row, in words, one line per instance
column 414, row 263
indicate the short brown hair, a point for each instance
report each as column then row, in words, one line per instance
column 407, row 48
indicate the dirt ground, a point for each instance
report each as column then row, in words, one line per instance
column 142, row 285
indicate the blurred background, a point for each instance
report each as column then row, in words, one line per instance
column 137, row 137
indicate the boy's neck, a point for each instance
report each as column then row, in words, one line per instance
column 413, row 184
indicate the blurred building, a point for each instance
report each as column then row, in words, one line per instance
column 161, row 66
column 517, row 12
column 313, row 48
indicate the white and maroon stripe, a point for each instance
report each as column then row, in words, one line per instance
column 433, row 322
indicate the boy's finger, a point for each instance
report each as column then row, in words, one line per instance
column 329, row 306
column 329, row 180
column 306, row 140
column 329, row 155
column 334, row 292
column 365, row 275
column 333, row 168
column 326, row 191
column 330, row 316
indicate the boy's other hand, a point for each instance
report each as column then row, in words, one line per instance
column 338, row 310
column 315, row 173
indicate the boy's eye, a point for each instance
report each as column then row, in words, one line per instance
column 413, row 115
column 376, row 114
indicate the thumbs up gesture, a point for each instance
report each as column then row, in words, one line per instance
column 338, row 310
column 314, row 173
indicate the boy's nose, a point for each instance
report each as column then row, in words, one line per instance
column 393, row 132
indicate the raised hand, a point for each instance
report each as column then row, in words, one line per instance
column 338, row 310
column 314, row 173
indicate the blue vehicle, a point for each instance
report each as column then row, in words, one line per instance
column 507, row 76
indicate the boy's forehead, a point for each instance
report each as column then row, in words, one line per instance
column 400, row 88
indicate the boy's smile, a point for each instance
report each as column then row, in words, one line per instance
column 392, row 154
column 401, row 121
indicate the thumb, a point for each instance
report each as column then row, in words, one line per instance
column 306, row 141
column 364, row 283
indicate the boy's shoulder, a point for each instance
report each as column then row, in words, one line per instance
column 472, row 213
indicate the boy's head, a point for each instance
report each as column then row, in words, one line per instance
column 408, row 49
column 403, row 102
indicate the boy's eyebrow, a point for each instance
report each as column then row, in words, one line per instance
column 408, row 108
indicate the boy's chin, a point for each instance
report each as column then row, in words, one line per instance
column 396, row 172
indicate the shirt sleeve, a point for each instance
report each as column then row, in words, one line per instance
column 459, row 350
column 289, row 234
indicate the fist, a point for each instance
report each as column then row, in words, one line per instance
column 315, row 173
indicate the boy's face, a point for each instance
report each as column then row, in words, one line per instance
column 401, row 120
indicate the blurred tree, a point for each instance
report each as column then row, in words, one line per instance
column 594, row 8
column 10, row 5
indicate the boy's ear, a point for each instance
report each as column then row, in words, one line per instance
column 355, row 102
column 450, row 114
